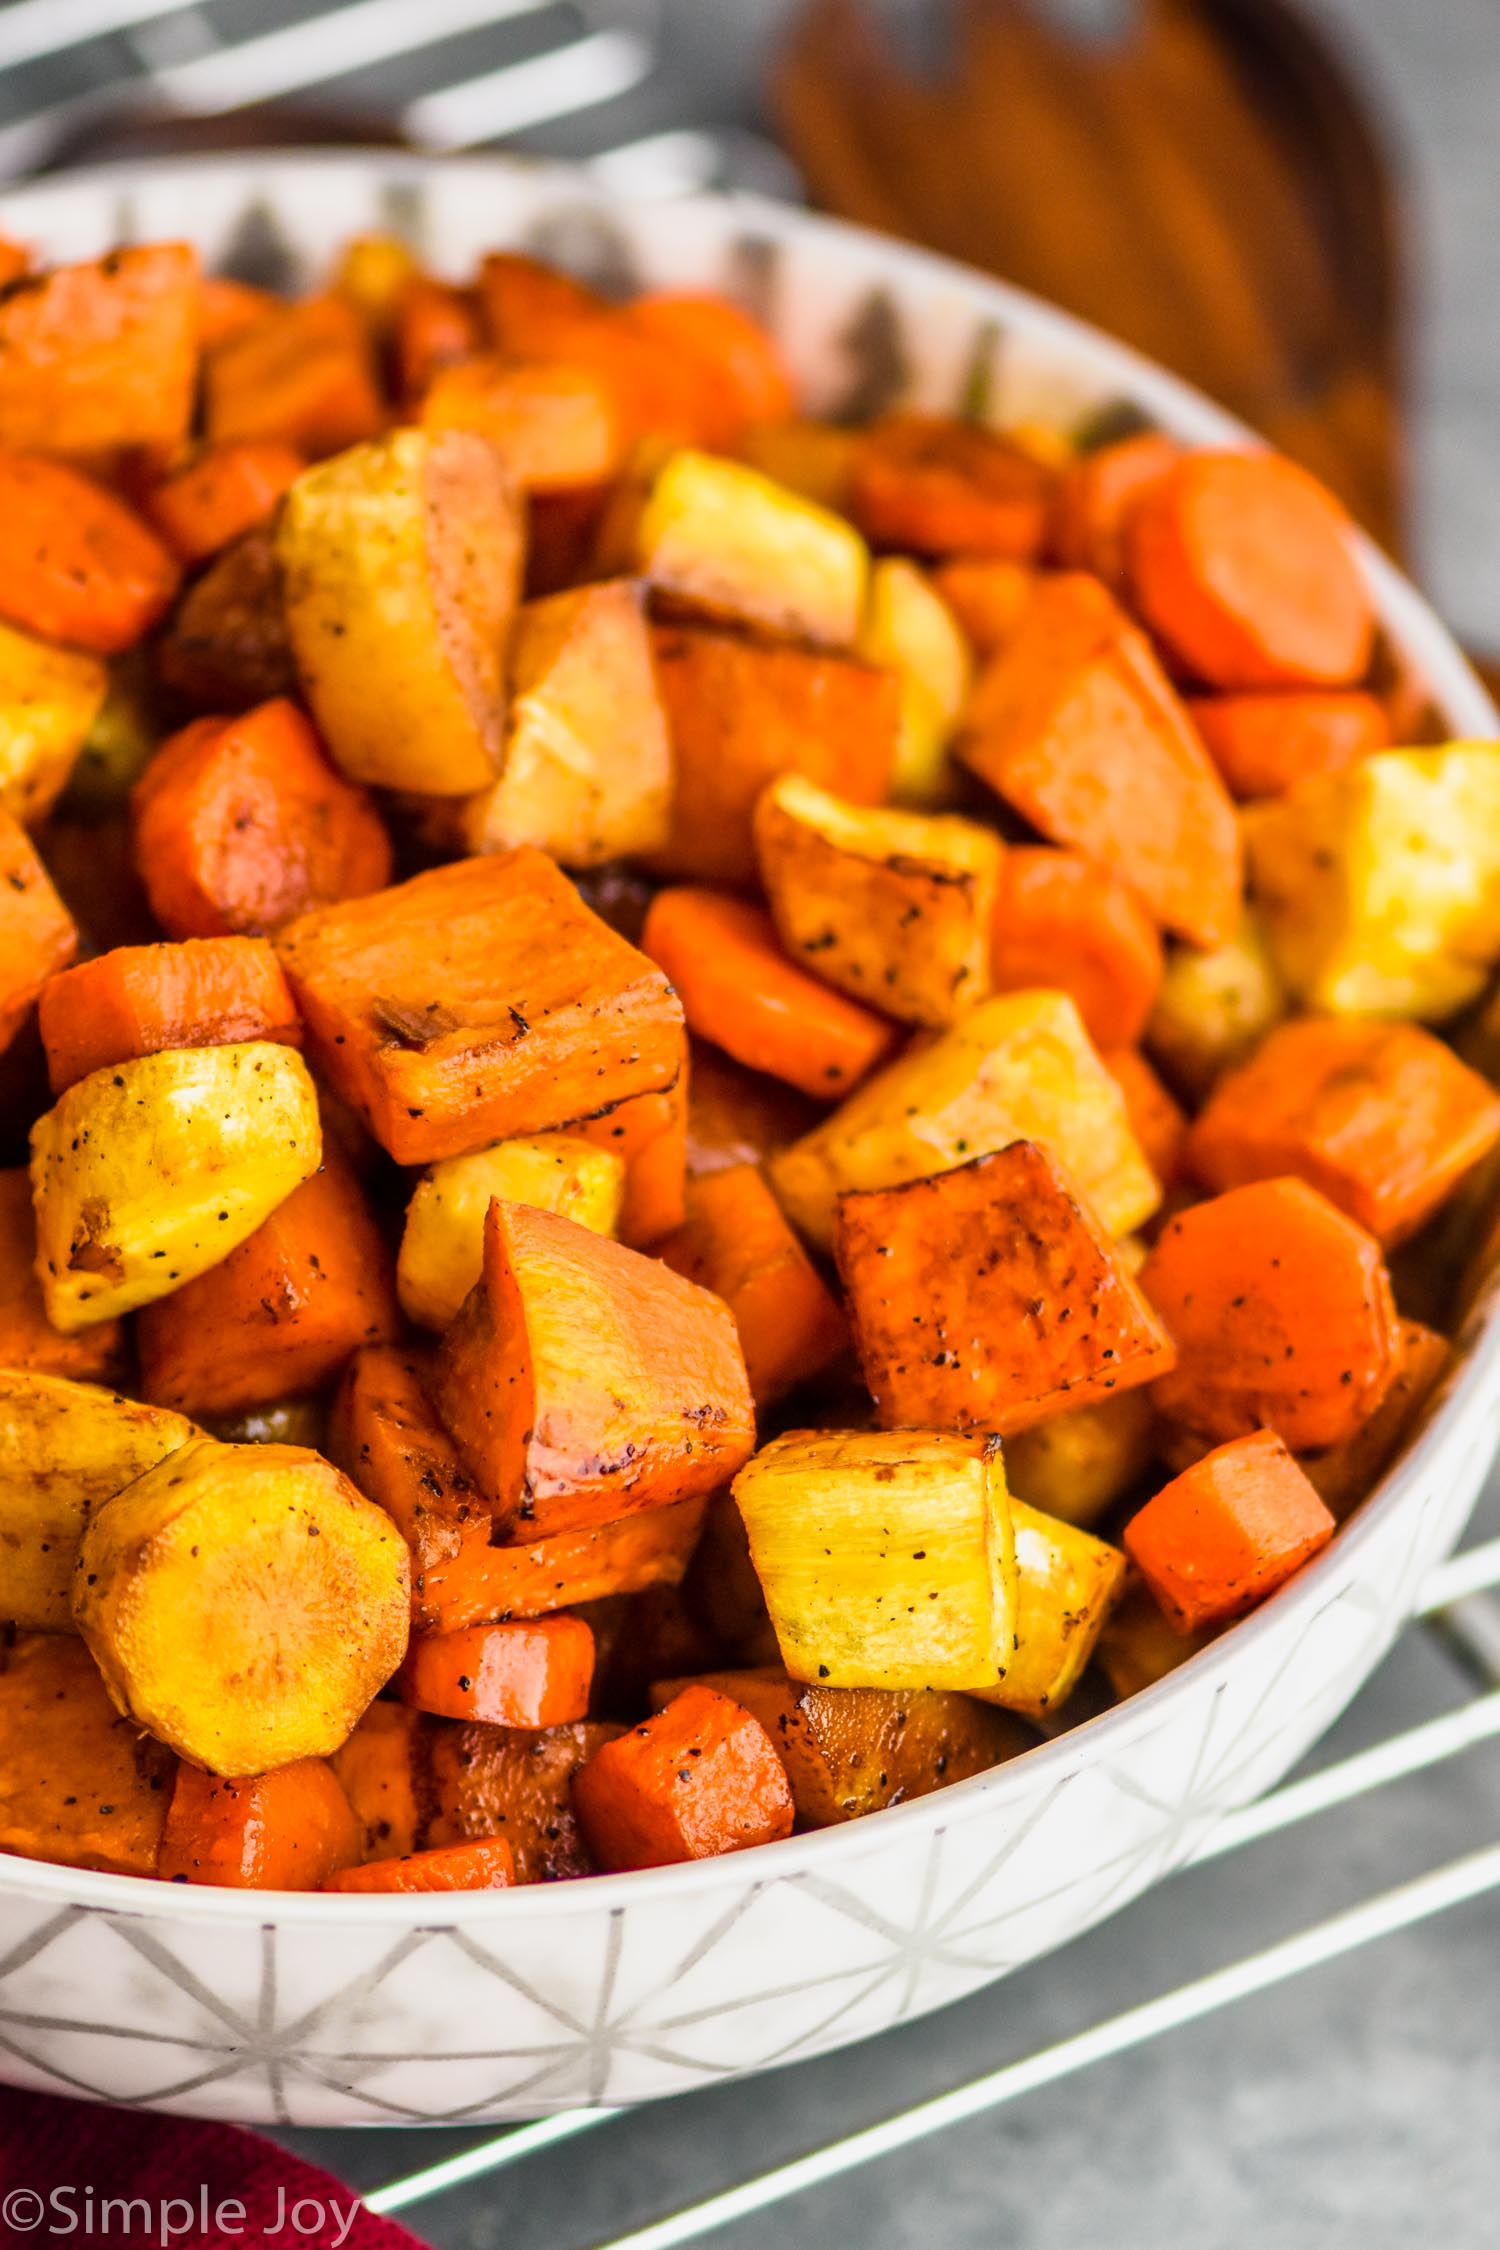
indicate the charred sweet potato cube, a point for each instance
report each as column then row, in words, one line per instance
column 1282, row 1314
column 101, row 355
column 735, row 1242
column 287, row 1830
column 508, row 1781
column 851, row 1751
column 242, row 824
column 390, row 1443
column 1077, row 727
column 1382, row 1117
column 282, row 1313
column 478, row 1002
column 740, row 712
column 989, row 1297
column 584, row 1381
column 79, row 1784
column 700, row 1778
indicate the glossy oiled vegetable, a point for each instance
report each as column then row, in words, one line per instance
column 288, row 1830
column 401, row 564
column 699, row 1778
column 146, row 1175
column 65, row 1448
column 79, row 1784
column 887, row 1557
column 244, row 1603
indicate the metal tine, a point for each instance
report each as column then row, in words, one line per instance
column 1413, row 1751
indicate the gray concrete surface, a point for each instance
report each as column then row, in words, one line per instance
column 1359, row 2107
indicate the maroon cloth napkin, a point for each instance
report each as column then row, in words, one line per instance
column 116, row 2179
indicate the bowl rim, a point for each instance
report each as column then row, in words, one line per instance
column 1475, row 1365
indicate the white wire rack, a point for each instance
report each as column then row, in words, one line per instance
column 1457, row 1605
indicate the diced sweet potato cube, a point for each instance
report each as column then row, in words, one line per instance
column 989, row 1297
column 1077, row 727
column 1018, row 1067
column 648, row 1132
column 37, row 933
column 79, row 1784
column 584, row 1381
column 391, row 1444
column 288, row 1830
column 527, row 1672
column 138, row 999
column 102, row 355
column 76, row 565
column 282, row 1313
column 1060, row 920
column 302, row 373
column 225, row 493
column 1264, row 744
column 1282, row 1314
column 242, row 824
column 485, row 1866
column 1382, row 1117
column 478, row 1002
column 555, row 427
column 1227, row 1532
column 851, row 1751
column 739, row 713
column 735, row 1242
column 700, row 1778
column 934, row 486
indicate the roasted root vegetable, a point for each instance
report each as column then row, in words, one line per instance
column 735, row 1242
column 721, row 538
column 1213, row 1007
column 1095, row 495
column 228, row 491
column 1155, row 1118
column 700, row 1778
column 288, row 1830
column 587, row 772
column 1018, row 1067
column 939, row 487
column 525, row 1672
column 478, row 1002
column 988, row 1297
column 887, row 1557
column 649, row 1135
column 302, row 374
column 242, row 824
column 140, row 999
column 1245, row 567
column 512, row 1782
column 65, row 1448
column 1282, row 1314
column 851, row 1751
column 49, row 700
column 79, row 1784
column 1060, row 920
column 244, row 1603
column 486, row 1866
column 987, row 596
column 102, row 355
column 738, row 988
column 28, row 1339
column 442, row 1244
column 909, row 629
column 226, row 647
column 391, row 1445
column 282, row 1313
column 740, row 712
column 584, row 1381
column 1076, row 725
column 1067, row 1582
column 1138, row 1647
column 1264, row 744
column 146, row 1175
column 1342, row 1475
column 37, row 933
column 400, row 563
column 1227, row 1532
column 556, row 428
column 892, row 907
column 1379, row 886
column 1077, row 1464
column 75, row 564
column 1382, row 1117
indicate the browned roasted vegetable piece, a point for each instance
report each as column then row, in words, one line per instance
column 226, row 648
column 78, row 1784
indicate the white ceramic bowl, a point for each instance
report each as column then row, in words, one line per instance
column 336, row 2011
